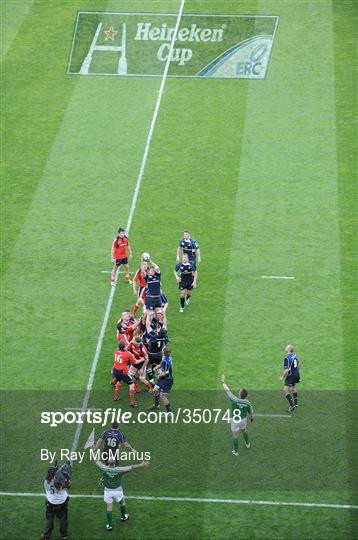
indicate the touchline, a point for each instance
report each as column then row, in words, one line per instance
column 148, row 32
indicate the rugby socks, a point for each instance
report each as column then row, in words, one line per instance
column 246, row 437
column 132, row 396
column 156, row 400
column 168, row 408
column 295, row 398
column 136, row 387
column 235, row 443
column 290, row 400
column 182, row 300
column 109, row 518
column 147, row 384
column 117, row 390
column 123, row 510
column 135, row 309
column 127, row 278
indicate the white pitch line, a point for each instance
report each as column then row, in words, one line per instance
column 118, row 272
column 129, row 222
column 197, row 500
column 274, row 415
column 277, row 277
column 80, row 409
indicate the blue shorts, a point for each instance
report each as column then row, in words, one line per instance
column 164, row 385
column 153, row 302
column 120, row 376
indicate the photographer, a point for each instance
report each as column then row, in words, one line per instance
column 56, row 484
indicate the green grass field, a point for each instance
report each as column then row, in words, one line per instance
column 263, row 173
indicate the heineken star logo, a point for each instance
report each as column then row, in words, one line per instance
column 110, row 33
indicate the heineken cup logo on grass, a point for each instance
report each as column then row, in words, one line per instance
column 139, row 44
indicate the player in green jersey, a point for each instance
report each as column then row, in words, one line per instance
column 242, row 413
column 112, row 482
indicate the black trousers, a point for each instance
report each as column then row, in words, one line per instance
column 56, row 511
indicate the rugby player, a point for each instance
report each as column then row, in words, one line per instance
column 185, row 274
column 119, row 255
column 112, row 438
column 155, row 341
column 112, row 482
column 164, row 382
column 291, row 376
column 139, row 277
column 190, row 247
column 139, row 351
column 122, row 359
column 242, row 413
column 153, row 287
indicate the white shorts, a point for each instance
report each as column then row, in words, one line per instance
column 113, row 495
column 238, row 426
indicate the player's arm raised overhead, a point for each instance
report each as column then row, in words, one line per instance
column 155, row 266
column 135, row 278
column 227, row 389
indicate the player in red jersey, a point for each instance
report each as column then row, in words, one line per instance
column 122, row 360
column 139, row 277
column 140, row 353
column 119, row 255
column 126, row 326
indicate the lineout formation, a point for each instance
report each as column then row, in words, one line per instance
column 143, row 353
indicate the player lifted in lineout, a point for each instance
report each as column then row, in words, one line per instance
column 121, row 250
column 291, row 376
column 242, row 413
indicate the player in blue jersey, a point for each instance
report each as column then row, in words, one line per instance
column 291, row 376
column 164, row 382
column 190, row 247
column 185, row 274
column 112, row 438
column 153, row 287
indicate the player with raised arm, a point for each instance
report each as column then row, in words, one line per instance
column 121, row 250
column 242, row 413
column 291, row 376
column 185, row 274
column 113, row 491
column 153, row 287
column 112, row 438
column 139, row 277
column 164, row 382
column 190, row 247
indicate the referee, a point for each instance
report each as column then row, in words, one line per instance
column 56, row 483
